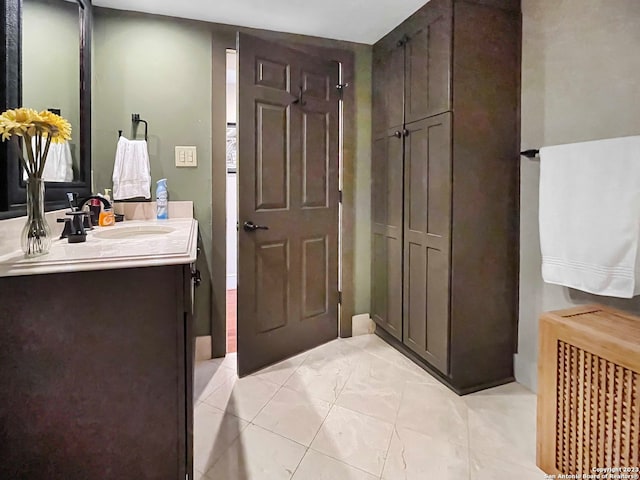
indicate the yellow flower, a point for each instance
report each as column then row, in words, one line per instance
column 58, row 127
column 26, row 122
column 17, row 122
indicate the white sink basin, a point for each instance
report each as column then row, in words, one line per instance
column 146, row 231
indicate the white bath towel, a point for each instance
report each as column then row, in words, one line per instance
column 590, row 216
column 131, row 171
column 59, row 164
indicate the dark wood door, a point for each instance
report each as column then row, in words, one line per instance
column 427, row 235
column 288, row 151
column 428, row 61
column 387, row 180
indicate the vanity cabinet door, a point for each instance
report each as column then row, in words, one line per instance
column 93, row 368
column 190, row 278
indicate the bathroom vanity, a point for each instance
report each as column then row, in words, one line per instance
column 96, row 356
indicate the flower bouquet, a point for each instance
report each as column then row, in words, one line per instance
column 39, row 130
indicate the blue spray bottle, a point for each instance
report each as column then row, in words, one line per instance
column 162, row 200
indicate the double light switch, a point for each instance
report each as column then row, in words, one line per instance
column 186, row 157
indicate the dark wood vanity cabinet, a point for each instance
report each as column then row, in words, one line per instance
column 96, row 375
column 445, row 188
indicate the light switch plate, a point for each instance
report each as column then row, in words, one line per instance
column 186, row 157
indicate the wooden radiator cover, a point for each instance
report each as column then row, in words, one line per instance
column 588, row 390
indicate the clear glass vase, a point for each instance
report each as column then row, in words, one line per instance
column 36, row 234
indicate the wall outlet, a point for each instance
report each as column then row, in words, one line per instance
column 186, row 157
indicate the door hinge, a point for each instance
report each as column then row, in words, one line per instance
column 340, row 196
column 340, row 297
column 340, row 87
column 196, row 277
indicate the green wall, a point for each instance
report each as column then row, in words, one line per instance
column 51, row 72
column 161, row 67
column 362, row 193
column 580, row 82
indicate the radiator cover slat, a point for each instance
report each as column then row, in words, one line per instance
column 589, row 391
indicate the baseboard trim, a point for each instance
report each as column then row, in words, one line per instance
column 526, row 372
column 362, row 325
column 203, row 348
column 395, row 343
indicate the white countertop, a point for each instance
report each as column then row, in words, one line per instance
column 175, row 248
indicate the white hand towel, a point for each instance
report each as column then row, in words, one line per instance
column 59, row 164
column 131, row 170
column 590, row 216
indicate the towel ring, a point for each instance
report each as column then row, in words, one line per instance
column 135, row 119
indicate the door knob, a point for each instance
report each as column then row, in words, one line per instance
column 252, row 227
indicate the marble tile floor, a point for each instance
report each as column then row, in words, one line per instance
column 356, row 409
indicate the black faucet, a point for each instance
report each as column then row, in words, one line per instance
column 94, row 214
column 76, row 226
column 75, row 205
column 80, row 205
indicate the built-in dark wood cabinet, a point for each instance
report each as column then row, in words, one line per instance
column 387, row 157
column 427, row 238
column 445, row 179
column 427, row 69
column 96, row 371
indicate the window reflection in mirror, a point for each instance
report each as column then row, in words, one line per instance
column 51, row 76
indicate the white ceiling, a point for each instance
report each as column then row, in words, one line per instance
column 364, row 21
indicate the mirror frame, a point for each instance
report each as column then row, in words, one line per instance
column 12, row 188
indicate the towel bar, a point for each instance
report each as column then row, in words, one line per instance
column 135, row 118
column 530, row 153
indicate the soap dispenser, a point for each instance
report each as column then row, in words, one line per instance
column 107, row 216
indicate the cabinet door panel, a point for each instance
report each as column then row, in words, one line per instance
column 388, row 87
column 428, row 62
column 427, row 225
column 387, row 180
column 394, row 83
column 378, row 92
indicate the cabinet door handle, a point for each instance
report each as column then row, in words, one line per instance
column 403, row 41
column 300, row 100
column 405, row 133
column 397, row 134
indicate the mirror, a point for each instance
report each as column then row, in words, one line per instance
column 46, row 65
column 51, row 76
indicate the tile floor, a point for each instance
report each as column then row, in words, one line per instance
column 356, row 409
